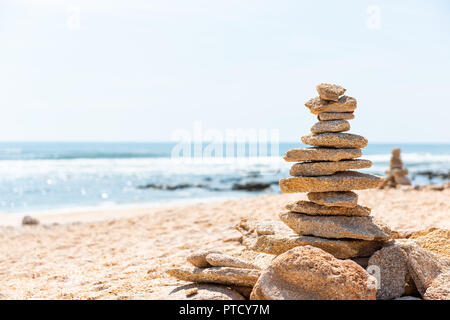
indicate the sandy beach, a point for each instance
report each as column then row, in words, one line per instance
column 123, row 253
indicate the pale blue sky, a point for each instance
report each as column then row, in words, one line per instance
column 137, row 70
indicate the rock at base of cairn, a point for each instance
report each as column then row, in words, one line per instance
column 220, row 275
column 218, row 268
column 434, row 239
column 425, row 267
column 392, row 267
column 198, row 259
column 439, row 288
column 308, row 273
column 224, row 260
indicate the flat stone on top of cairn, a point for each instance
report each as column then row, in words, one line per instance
column 326, row 168
column 328, row 91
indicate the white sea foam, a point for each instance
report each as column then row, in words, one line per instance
column 412, row 158
column 79, row 183
column 166, row 166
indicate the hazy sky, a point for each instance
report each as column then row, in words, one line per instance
column 136, row 70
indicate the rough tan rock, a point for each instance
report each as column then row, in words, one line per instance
column 390, row 264
column 419, row 233
column 191, row 292
column 435, row 240
column 335, row 116
column 321, row 154
column 198, row 259
column 335, row 140
column 197, row 291
column 347, row 199
column 269, row 227
column 341, row 181
column 325, row 168
column 220, row 275
column 336, row 227
column 330, row 126
column 328, row 91
column 408, row 245
column 312, row 208
column 344, row 104
column 232, row 236
column 308, row 273
column 425, row 266
column 261, row 259
column 342, row 249
column 440, row 288
column 224, row 260
column 405, row 244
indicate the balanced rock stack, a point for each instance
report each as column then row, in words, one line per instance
column 332, row 217
column 396, row 174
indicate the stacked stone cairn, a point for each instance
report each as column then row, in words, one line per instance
column 396, row 174
column 332, row 219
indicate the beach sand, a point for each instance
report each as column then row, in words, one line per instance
column 122, row 253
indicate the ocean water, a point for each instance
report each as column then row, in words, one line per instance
column 41, row 177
